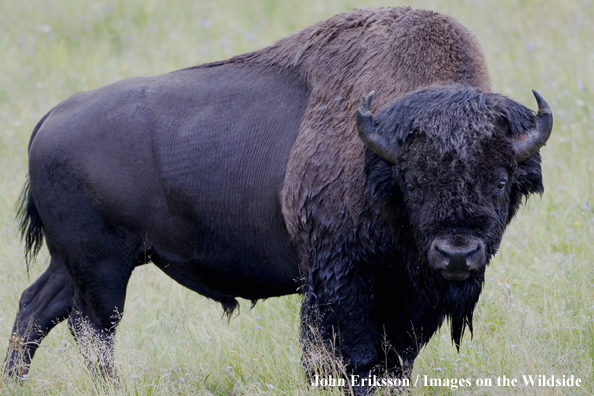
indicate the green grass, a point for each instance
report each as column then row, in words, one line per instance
column 536, row 313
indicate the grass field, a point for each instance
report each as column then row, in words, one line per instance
column 536, row 313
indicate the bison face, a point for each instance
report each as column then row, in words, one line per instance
column 453, row 164
column 457, row 204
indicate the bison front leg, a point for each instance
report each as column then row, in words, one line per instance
column 338, row 332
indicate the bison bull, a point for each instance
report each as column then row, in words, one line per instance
column 260, row 176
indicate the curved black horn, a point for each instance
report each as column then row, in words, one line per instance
column 531, row 141
column 368, row 131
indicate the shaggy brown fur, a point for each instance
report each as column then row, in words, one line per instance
column 328, row 212
column 393, row 51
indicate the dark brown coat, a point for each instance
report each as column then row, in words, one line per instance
column 250, row 177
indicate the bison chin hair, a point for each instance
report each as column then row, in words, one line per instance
column 459, row 301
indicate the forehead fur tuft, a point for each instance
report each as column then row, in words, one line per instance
column 455, row 119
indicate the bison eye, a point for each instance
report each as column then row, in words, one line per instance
column 412, row 186
column 500, row 186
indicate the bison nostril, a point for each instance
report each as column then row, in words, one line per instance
column 442, row 252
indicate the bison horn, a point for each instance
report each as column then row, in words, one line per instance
column 531, row 141
column 368, row 131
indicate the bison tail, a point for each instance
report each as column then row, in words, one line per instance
column 27, row 218
column 30, row 225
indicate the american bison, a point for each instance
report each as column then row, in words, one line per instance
column 265, row 175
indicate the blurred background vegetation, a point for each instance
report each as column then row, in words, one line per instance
column 536, row 314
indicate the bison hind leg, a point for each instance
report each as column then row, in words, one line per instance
column 93, row 322
column 101, row 268
column 96, row 344
column 43, row 305
column 98, row 306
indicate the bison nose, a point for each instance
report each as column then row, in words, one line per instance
column 457, row 258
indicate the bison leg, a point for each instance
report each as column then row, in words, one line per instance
column 94, row 335
column 339, row 338
column 342, row 332
column 99, row 296
column 43, row 305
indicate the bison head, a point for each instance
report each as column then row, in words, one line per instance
column 452, row 164
column 462, row 161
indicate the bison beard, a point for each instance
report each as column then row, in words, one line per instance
column 263, row 175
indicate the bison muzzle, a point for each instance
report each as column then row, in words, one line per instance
column 456, row 257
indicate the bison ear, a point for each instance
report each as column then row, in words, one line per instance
column 529, row 132
column 530, row 181
column 368, row 132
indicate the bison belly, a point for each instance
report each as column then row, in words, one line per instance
column 185, row 168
